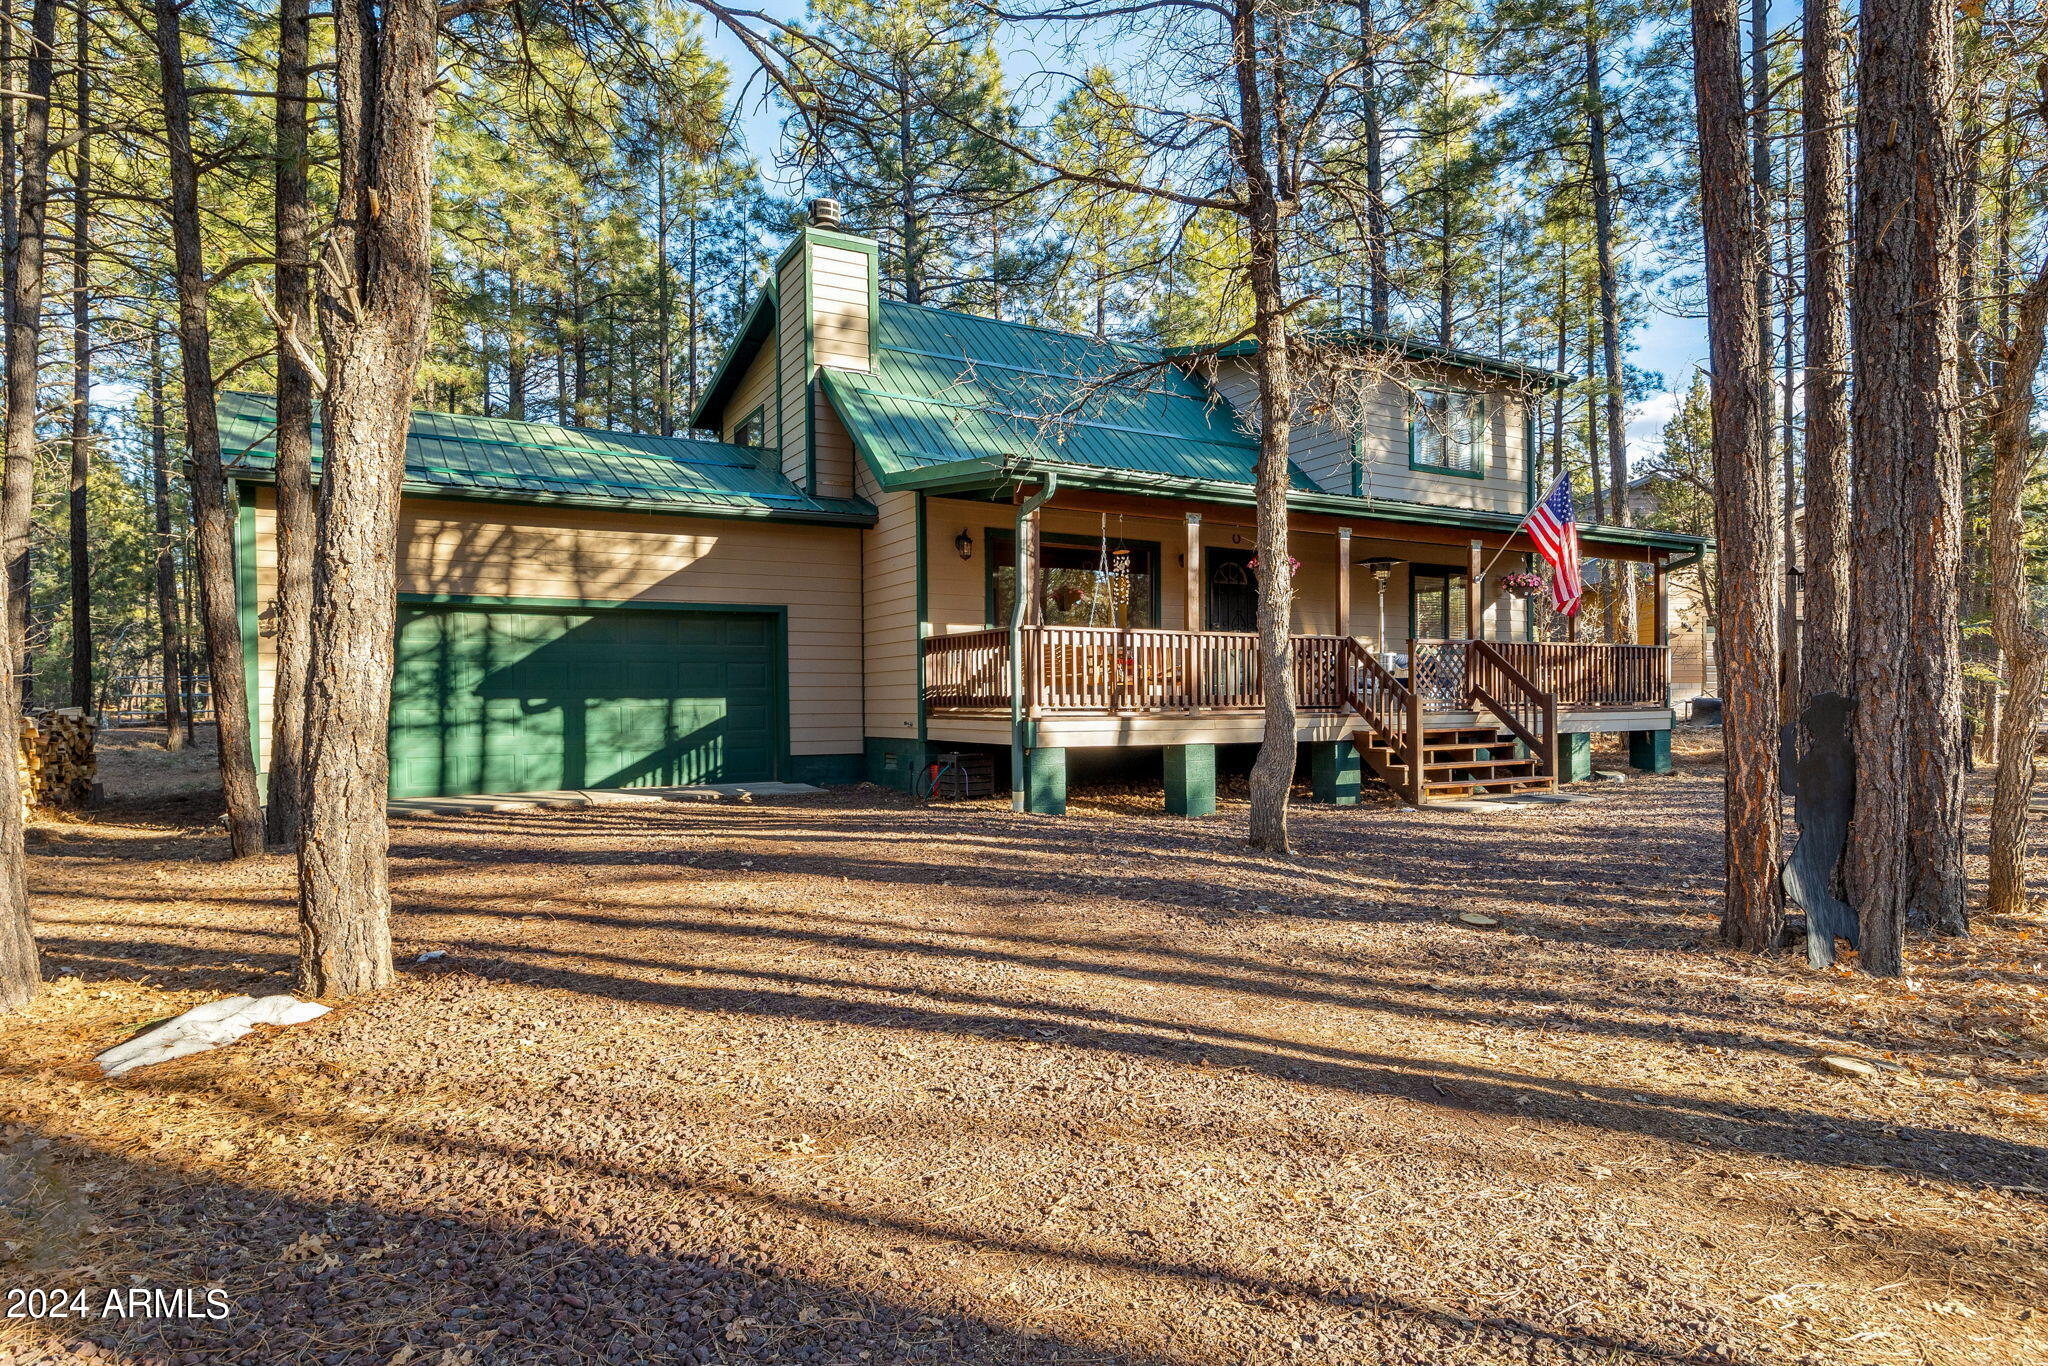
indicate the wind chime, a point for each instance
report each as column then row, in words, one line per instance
column 1112, row 578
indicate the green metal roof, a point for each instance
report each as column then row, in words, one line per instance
column 965, row 404
column 452, row 455
column 1413, row 348
column 950, row 387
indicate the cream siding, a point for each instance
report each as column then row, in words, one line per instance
column 792, row 362
column 835, row 449
column 956, row 590
column 513, row 550
column 889, row 584
column 840, row 299
column 756, row 389
column 1324, row 452
column 841, row 327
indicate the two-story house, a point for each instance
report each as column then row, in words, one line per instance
column 829, row 591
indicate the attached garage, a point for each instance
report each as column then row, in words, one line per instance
column 581, row 609
column 516, row 698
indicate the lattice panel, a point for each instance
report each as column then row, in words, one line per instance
column 1437, row 671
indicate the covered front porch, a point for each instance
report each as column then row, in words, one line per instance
column 1083, row 671
column 1139, row 635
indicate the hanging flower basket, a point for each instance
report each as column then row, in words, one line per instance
column 1293, row 565
column 1521, row 585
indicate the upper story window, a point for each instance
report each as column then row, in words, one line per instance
column 752, row 429
column 1447, row 433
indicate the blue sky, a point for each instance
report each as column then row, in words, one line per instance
column 1668, row 343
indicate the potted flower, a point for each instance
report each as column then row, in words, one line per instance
column 1522, row 584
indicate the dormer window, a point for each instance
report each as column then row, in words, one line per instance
column 752, row 429
column 1447, row 433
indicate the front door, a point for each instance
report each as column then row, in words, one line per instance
column 1232, row 593
column 1437, row 603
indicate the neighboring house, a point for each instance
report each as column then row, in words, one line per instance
column 1689, row 627
column 825, row 592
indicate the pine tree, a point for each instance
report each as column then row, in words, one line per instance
column 908, row 127
column 1110, row 237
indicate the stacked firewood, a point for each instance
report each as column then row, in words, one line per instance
column 56, row 759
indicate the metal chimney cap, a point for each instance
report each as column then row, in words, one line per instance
column 825, row 213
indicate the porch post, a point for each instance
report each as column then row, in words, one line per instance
column 1028, row 576
column 1661, row 597
column 1334, row 771
column 1574, row 757
column 1190, row 780
column 1193, row 617
column 1343, row 580
column 1649, row 751
column 1045, row 781
column 1475, row 603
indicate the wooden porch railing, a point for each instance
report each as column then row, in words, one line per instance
column 1382, row 701
column 1594, row 676
column 1528, row 712
column 1579, row 676
column 1096, row 669
column 967, row 671
column 1102, row 670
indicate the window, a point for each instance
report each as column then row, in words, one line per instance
column 1084, row 581
column 1447, row 432
column 1436, row 605
column 752, row 429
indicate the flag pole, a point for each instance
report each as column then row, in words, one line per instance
column 1524, row 522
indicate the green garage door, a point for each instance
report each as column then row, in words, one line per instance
column 522, row 700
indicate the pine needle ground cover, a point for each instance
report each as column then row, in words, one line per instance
column 859, row 1082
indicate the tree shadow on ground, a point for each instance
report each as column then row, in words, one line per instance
column 358, row 1281
column 664, row 1290
column 1765, row 1130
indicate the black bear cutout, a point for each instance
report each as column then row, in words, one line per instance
column 1821, row 781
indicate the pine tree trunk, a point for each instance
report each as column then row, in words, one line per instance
column 1623, row 594
column 1824, row 633
column 26, row 260
column 515, row 348
column 664, row 301
column 81, row 379
column 694, row 322
column 375, row 306
column 579, row 343
column 1272, row 777
column 21, row 971
column 177, row 719
column 1905, row 852
column 1744, row 506
column 211, row 515
column 292, row 601
column 2022, row 639
column 1377, row 221
column 1760, row 196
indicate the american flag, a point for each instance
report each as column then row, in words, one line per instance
column 1555, row 530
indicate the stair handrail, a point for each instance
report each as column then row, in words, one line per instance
column 1528, row 711
column 1389, row 720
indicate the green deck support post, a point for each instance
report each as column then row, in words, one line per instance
column 1191, row 780
column 1649, row 751
column 1045, row 782
column 1574, row 757
column 1333, row 771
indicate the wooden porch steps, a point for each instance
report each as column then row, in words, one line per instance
column 1510, row 752
column 1457, row 762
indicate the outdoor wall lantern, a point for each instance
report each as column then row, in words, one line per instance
column 964, row 543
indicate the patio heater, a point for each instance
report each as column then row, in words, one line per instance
column 1382, row 567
